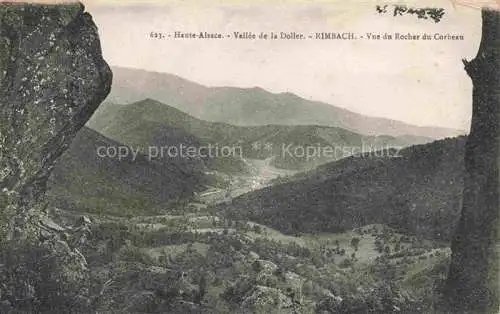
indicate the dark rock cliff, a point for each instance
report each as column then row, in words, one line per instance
column 473, row 281
column 52, row 79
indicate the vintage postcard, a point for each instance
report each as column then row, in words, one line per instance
column 249, row 156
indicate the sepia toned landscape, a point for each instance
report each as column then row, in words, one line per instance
column 140, row 186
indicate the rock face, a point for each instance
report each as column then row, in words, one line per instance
column 473, row 280
column 52, row 79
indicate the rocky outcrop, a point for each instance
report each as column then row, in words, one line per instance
column 473, row 280
column 262, row 299
column 52, row 79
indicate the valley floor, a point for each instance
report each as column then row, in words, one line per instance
column 201, row 262
column 194, row 258
column 262, row 174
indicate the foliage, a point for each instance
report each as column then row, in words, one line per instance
column 42, row 279
column 422, row 13
column 355, row 242
column 429, row 176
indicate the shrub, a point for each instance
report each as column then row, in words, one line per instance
column 43, row 279
column 257, row 229
column 347, row 262
column 355, row 243
column 136, row 255
column 387, row 250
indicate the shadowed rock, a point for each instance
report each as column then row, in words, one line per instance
column 473, row 280
column 52, row 79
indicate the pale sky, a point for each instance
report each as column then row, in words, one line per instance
column 418, row 82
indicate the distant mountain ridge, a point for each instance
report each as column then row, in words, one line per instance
column 152, row 123
column 253, row 106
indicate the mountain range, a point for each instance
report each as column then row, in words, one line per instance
column 423, row 183
column 253, row 106
column 150, row 123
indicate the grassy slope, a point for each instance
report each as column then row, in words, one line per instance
column 237, row 259
column 85, row 181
